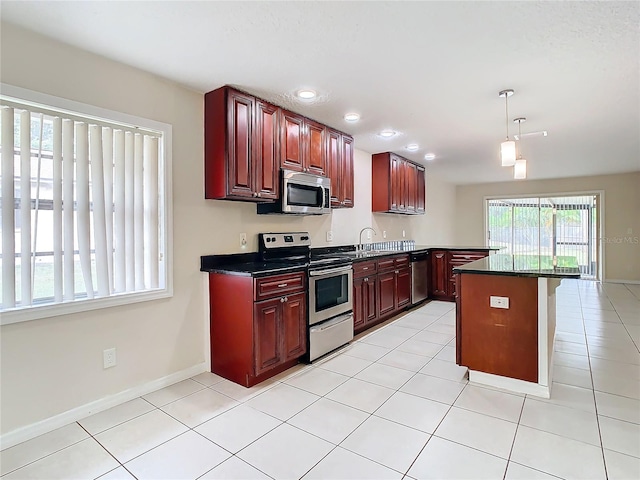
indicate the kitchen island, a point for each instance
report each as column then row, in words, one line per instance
column 506, row 319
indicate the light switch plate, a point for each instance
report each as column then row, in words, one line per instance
column 499, row 302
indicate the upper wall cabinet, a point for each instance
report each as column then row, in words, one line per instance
column 303, row 143
column 340, row 163
column 247, row 140
column 241, row 146
column 397, row 185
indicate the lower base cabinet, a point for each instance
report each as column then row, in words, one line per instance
column 258, row 325
column 380, row 289
column 442, row 285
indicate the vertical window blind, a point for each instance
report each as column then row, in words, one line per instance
column 557, row 227
column 81, row 210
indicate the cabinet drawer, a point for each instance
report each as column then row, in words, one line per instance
column 388, row 263
column 362, row 269
column 273, row 286
column 467, row 256
column 402, row 261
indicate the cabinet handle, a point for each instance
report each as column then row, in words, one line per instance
column 365, row 268
column 282, row 285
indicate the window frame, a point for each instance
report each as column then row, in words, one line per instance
column 35, row 312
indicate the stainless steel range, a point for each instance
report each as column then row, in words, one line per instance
column 330, row 298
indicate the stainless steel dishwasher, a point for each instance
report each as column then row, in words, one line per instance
column 419, row 276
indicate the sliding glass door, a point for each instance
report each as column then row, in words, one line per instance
column 558, row 227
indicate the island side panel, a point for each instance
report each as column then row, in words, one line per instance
column 495, row 340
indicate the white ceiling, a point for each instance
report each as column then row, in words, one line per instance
column 430, row 70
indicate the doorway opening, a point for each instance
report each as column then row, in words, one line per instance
column 559, row 227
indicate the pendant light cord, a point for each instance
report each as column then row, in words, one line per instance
column 506, row 113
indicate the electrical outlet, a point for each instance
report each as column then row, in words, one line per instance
column 109, row 357
column 329, row 236
column 368, row 234
column 243, row 240
column 384, row 234
column 404, row 234
column 499, row 302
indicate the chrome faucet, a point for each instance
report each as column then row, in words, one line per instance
column 360, row 247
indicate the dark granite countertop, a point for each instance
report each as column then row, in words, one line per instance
column 251, row 264
column 523, row 266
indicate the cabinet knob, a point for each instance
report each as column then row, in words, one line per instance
column 259, row 194
column 255, row 194
column 286, row 299
column 282, row 300
column 397, row 271
column 366, row 279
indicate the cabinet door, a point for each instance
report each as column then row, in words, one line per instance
column 421, row 192
column 294, row 320
column 403, row 281
column 359, row 305
column 411, row 186
column 439, row 273
column 334, row 161
column 267, row 335
column 371, row 299
column 315, row 152
column 386, row 293
column 292, row 141
column 266, row 154
column 347, row 172
column 397, row 182
column 239, row 144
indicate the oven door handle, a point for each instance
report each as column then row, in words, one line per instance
column 329, row 271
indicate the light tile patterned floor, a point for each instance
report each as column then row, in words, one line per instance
column 392, row 405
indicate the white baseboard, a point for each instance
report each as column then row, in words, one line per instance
column 614, row 280
column 28, row 432
column 513, row 384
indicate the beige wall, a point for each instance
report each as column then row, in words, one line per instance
column 621, row 214
column 50, row 366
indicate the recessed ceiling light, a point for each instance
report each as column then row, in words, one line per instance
column 306, row 94
column 412, row 147
column 387, row 133
column 352, row 117
column 430, row 156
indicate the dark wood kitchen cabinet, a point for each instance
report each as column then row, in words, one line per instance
column 241, row 146
column 397, row 185
column 340, row 163
column 303, row 144
column 263, row 331
column 381, row 288
column 442, row 263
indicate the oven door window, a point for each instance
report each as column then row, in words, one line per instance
column 331, row 292
column 304, row 195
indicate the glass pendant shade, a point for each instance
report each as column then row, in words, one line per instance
column 520, row 169
column 508, row 153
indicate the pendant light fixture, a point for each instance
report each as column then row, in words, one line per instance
column 520, row 166
column 508, row 147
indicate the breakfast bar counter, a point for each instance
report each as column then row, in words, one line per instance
column 506, row 319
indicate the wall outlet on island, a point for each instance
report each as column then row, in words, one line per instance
column 329, row 236
column 109, row 357
column 499, row 302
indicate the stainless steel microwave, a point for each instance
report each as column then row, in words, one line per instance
column 302, row 194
